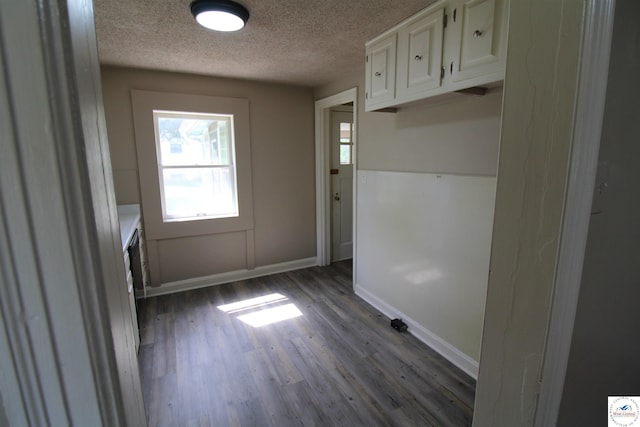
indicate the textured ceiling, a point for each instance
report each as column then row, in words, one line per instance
column 300, row 42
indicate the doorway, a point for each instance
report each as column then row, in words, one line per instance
column 341, row 172
column 325, row 196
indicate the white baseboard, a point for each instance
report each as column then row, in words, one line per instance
column 452, row 354
column 231, row 276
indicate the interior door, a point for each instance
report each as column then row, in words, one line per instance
column 341, row 185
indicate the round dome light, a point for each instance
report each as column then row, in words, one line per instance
column 220, row 15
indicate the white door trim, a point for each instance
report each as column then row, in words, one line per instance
column 323, row 160
column 596, row 47
column 61, row 308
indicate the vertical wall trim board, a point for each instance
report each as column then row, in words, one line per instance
column 251, row 249
column 596, row 48
column 540, row 93
column 59, row 227
column 154, row 265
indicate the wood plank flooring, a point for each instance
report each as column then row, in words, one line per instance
column 338, row 363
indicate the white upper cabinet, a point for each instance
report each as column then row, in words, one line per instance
column 449, row 46
column 420, row 54
column 381, row 72
column 478, row 29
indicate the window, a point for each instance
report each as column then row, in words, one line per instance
column 346, row 143
column 196, row 165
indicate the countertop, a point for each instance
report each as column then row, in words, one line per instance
column 129, row 216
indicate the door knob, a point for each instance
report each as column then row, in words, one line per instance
column 336, row 197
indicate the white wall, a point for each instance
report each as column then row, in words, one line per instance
column 605, row 348
column 409, row 219
column 424, row 243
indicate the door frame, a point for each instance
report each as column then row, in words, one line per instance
column 598, row 21
column 323, row 160
column 335, row 222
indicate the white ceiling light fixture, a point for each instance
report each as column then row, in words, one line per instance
column 220, row 15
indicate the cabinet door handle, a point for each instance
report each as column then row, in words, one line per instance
column 418, row 57
column 378, row 73
column 477, row 33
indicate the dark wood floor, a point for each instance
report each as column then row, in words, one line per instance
column 338, row 363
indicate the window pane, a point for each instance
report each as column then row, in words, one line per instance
column 196, row 167
column 345, row 154
column 185, row 139
column 345, row 132
column 199, row 193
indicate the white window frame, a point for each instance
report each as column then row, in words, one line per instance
column 231, row 165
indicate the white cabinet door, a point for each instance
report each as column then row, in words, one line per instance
column 420, row 55
column 381, row 72
column 479, row 27
column 449, row 46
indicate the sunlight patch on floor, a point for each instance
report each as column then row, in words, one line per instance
column 252, row 303
column 259, row 315
column 271, row 315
